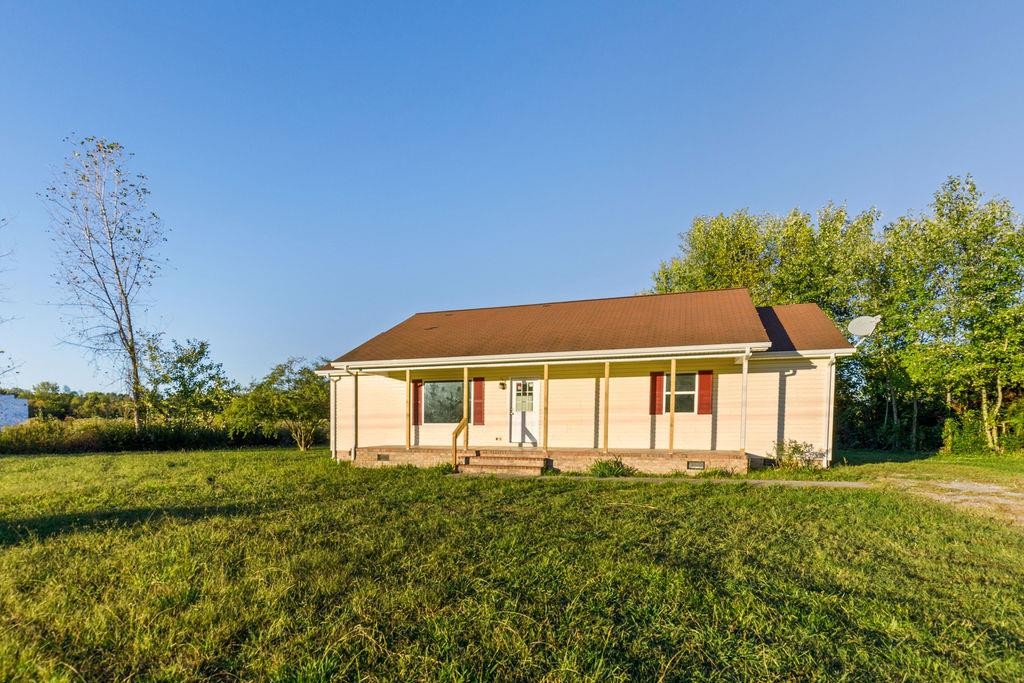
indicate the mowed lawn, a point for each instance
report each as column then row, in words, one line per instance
column 281, row 565
column 1005, row 468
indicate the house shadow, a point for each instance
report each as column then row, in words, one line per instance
column 15, row 531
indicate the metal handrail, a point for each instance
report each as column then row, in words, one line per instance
column 455, row 441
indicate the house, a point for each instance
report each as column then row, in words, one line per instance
column 672, row 382
column 13, row 410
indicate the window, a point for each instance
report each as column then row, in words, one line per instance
column 524, row 397
column 686, row 392
column 442, row 402
column 694, row 464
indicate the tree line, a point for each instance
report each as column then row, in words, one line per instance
column 946, row 364
column 185, row 392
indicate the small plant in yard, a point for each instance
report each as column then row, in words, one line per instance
column 613, row 467
column 795, row 455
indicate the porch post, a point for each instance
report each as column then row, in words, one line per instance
column 465, row 407
column 604, row 431
column 408, row 409
column 334, row 417
column 671, row 407
column 743, row 403
column 545, row 410
column 355, row 414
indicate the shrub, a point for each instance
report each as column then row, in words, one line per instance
column 964, row 434
column 613, row 467
column 794, row 455
column 41, row 435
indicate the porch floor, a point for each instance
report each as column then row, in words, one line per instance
column 537, row 450
column 531, row 460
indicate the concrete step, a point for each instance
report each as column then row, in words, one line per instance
column 505, row 459
column 520, row 470
column 510, row 452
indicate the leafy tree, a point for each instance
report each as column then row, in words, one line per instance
column 48, row 399
column 185, row 386
column 828, row 262
column 291, row 396
column 107, row 241
column 790, row 259
column 969, row 312
column 106, row 405
column 722, row 251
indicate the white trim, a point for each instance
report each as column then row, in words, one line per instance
column 815, row 353
column 550, row 357
column 667, row 393
column 378, row 370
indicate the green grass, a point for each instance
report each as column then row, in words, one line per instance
column 279, row 565
column 865, row 465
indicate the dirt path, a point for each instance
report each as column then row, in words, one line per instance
column 991, row 499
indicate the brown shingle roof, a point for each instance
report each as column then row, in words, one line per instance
column 800, row 327
column 724, row 316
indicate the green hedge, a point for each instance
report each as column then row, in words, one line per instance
column 102, row 435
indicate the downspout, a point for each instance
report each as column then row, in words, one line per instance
column 830, row 401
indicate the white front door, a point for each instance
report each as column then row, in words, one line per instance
column 523, row 418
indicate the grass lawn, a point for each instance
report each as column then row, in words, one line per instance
column 865, row 465
column 280, row 565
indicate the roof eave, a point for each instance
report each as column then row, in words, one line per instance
column 554, row 357
column 807, row 353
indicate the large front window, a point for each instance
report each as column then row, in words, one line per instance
column 442, row 402
column 686, row 392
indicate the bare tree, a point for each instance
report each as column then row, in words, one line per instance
column 6, row 366
column 107, row 243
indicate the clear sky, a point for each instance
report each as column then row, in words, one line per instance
column 327, row 170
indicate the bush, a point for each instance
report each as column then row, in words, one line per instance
column 612, row 468
column 40, row 435
column 964, row 434
column 795, row 455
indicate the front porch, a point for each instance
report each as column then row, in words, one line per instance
column 533, row 461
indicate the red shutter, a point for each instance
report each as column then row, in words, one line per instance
column 478, row 400
column 657, row 393
column 417, row 401
column 705, row 392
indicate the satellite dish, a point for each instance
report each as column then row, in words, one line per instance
column 864, row 325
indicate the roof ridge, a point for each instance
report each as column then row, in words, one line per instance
column 580, row 301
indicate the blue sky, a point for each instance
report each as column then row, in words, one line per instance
column 327, row 170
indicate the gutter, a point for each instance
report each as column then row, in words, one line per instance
column 556, row 358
